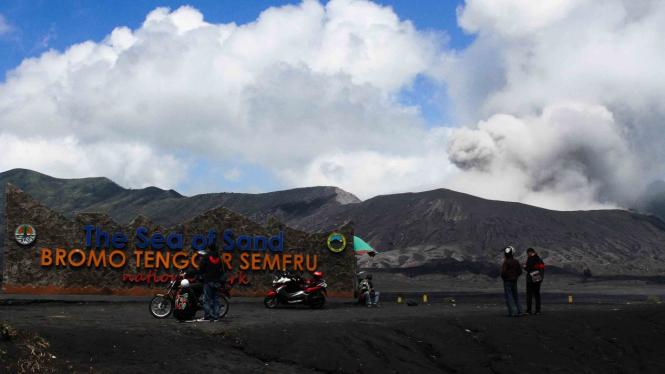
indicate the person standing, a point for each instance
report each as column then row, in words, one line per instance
column 510, row 272
column 211, row 270
column 535, row 273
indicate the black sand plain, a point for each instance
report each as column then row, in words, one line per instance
column 470, row 335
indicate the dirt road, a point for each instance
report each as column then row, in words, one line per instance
column 470, row 337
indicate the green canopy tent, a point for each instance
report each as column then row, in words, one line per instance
column 361, row 247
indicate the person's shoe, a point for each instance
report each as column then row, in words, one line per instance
column 520, row 314
column 369, row 305
column 376, row 305
column 527, row 313
column 201, row 320
column 537, row 313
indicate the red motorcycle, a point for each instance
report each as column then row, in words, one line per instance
column 293, row 290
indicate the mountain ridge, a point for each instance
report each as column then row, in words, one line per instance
column 164, row 207
column 435, row 225
column 410, row 230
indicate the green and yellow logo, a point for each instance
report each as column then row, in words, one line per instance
column 25, row 234
column 336, row 242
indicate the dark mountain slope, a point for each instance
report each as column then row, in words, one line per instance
column 70, row 195
column 166, row 208
column 435, row 226
column 438, row 229
column 288, row 206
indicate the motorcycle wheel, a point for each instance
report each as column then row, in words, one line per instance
column 319, row 303
column 223, row 306
column 161, row 307
column 271, row 301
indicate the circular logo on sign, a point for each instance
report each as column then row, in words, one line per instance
column 336, row 242
column 25, row 234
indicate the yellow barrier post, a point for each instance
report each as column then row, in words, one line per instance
column 399, row 299
column 424, row 298
column 570, row 299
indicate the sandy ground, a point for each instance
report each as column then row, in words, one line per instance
column 554, row 283
column 472, row 336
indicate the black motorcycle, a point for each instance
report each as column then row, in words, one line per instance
column 163, row 304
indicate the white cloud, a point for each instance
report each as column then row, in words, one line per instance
column 233, row 174
column 563, row 100
column 46, row 39
column 513, row 18
column 298, row 87
column 367, row 173
column 133, row 164
column 4, row 26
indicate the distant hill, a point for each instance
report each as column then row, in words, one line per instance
column 167, row 208
column 433, row 228
column 439, row 230
column 70, row 195
column 289, row 206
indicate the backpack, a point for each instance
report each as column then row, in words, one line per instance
column 182, row 300
column 535, row 276
column 185, row 305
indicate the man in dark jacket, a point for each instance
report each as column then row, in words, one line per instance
column 533, row 264
column 211, row 269
column 510, row 272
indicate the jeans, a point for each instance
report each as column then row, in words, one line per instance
column 512, row 297
column 532, row 290
column 211, row 300
column 368, row 297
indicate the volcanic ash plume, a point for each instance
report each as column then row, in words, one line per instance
column 565, row 99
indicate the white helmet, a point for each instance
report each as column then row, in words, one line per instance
column 509, row 251
column 184, row 283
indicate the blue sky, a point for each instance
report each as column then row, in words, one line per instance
column 38, row 26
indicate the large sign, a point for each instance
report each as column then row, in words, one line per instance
column 94, row 254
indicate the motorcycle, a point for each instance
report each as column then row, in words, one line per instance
column 162, row 304
column 293, row 290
